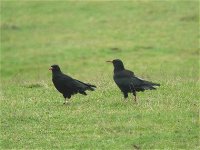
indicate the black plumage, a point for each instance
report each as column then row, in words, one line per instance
column 128, row 82
column 67, row 85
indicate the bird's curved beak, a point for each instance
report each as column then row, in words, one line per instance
column 109, row 61
column 51, row 68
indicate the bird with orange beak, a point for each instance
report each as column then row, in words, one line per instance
column 128, row 82
column 67, row 85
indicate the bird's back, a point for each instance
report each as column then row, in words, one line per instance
column 126, row 80
column 69, row 86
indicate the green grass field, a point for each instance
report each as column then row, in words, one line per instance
column 158, row 40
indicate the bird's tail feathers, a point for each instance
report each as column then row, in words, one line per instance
column 151, row 83
column 90, row 87
column 147, row 85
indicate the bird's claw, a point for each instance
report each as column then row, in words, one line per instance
column 66, row 103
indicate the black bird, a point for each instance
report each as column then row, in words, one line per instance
column 128, row 82
column 67, row 85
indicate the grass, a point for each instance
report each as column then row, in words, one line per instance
column 157, row 40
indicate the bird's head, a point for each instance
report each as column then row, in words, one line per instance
column 55, row 68
column 118, row 64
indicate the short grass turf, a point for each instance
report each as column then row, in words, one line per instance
column 158, row 40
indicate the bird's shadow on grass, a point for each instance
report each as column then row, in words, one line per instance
column 32, row 85
column 36, row 85
column 123, row 103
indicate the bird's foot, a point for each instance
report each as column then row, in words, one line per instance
column 135, row 99
column 66, row 103
column 125, row 100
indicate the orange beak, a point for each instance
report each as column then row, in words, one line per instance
column 109, row 61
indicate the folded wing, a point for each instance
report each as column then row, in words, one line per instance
column 126, row 80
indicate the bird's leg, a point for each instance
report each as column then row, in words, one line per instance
column 125, row 96
column 134, row 93
column 135, row 98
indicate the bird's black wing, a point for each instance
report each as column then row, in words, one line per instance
column 126, row 81
column 85, row 86
column 65, row 84
column 123, row 79
column 77, row 86
column 141, row 85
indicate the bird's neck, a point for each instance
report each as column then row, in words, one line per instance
column 56, row 73
column 119, row 68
